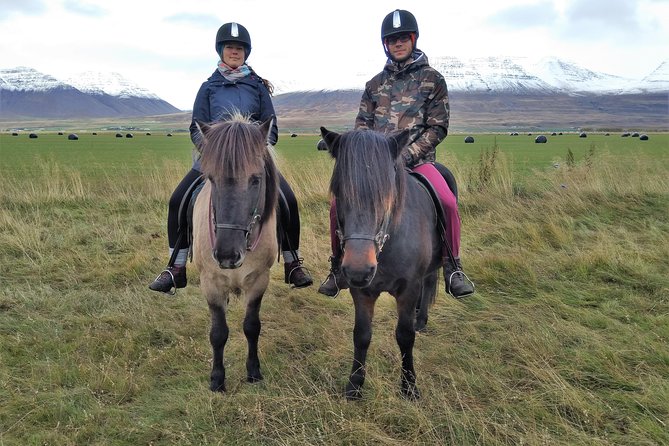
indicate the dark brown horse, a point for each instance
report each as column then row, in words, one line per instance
column 387, row 227
column 234, row 231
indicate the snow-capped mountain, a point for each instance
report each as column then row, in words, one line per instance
column 657, row 81
column 547, row 75
column 28, row 79
column 489, row 74
column 26, row 93
column 569, row 77
column 112, row 84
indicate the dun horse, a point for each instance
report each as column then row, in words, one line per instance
column 387, row 228
column 234, row 231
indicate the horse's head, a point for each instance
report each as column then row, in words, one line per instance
column 368, row 186
column 238, row 164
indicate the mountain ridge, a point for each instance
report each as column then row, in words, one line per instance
column 548, row 91
column 28, row 93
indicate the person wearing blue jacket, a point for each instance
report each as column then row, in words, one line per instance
column 234, row 88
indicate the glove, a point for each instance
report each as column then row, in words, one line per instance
column 408, row 159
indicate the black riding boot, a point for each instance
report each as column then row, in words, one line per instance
column 334, row 282
column 458, row 284
column 170, row 279
column 296, row 274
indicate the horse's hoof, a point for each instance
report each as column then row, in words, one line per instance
column 216, row 386
column 254, row 378
column 410, row 392
column 353, row 393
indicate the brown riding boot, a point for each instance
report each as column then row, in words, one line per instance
column 296, row 274
column 170, row 279
column 458, row 284
column 334, row 282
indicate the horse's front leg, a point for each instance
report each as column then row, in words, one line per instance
column 218, row 336
column 406, row 336
column 362, row 337
column 252, row 331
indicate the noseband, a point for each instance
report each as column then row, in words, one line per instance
column 214, row 226
column 379, row 239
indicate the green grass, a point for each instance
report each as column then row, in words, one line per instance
column 565, row 341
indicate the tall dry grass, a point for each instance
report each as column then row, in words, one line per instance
column 565, row 341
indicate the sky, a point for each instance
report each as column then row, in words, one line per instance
column 167, row 46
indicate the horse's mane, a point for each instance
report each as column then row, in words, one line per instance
column 367, row 174
column 237, row 148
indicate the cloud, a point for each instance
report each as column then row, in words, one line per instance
column 525, row 16
column 193, row 19
column 611, row 14
column 83, row 8
column 28, row 7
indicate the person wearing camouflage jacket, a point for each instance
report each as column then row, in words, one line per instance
column 410, row 94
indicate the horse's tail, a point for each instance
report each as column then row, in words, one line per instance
column 428, row 293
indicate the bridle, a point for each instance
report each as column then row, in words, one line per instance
column 379, row 239
column 254, row 218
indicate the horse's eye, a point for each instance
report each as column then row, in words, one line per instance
column 254, row 180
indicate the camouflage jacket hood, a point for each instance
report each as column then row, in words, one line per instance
column 412, row 96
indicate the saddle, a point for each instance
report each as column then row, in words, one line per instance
column 438, row 208
column 187, row 205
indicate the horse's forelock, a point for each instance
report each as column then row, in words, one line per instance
column 233, row 148
column 365, row 173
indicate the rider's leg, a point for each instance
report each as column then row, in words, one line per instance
column 334, row 281
column 457, row 283
column 174, row 276
column 294, row 272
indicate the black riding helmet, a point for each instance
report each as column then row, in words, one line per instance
column 233, row 32
column 399, row 21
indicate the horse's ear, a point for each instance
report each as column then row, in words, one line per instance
column 331, row 140
column 399, row 141
column 266, row 126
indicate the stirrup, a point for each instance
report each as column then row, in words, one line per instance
column 334, row 278
column 172, row 291
column 465, row 278
column 290, row 275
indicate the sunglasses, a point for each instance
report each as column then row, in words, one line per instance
column 401, row 38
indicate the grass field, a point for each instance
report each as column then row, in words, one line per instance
column 565, row 342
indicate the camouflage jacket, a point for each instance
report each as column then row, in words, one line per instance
column 414, row 97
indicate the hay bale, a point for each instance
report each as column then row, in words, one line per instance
column 72, row 137
column 469, row 140
column 293, row 135
column 32, row 135
column 128, row 135
column 643, row 138
column 583, row 135
column 541, row 139
column 625, row 135
column 635, row 135
column 119, row 135
column 169, row 134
